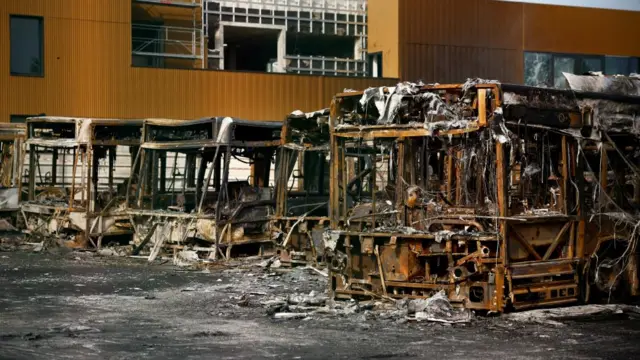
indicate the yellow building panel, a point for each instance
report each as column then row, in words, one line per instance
column 88, row 72
column 581, row 30
column 383, row 33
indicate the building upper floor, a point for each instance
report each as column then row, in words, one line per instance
column 83, row 58
column 319, row 37
column 530, row 42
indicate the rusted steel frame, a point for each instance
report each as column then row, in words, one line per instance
column 64, row 161
column 221, row 193
column 32, row 172
column 454, row 220
column 458, row 172
column 133, row 168
column 374, row 162
column 368, row 134
column 420, row 236
column 200, row 179
column 84, row 157
column 343, row 173
column 142, row 179
column 72, row 197
column 205, row 186
column 400, row 170
column 450, row 174
column 154, row 177
column 565, row 176
column 281, row 185
column 501, row 181
column 90, row 202
column 381, row 271
column 189, row 173
column 163, row 171
column 556, row 241
column 300, row 160
column 54, row 167
column 173, row 176
column 581, row 207
column 482, row 107
column 21, row 151
column 525, row 244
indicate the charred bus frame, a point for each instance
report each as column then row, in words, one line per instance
column 72, row 199
column 489, row 192
column 12, row 137
column 202, row 208
column 302, row 188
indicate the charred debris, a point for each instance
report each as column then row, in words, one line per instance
column 502, row 196
column 491, row 196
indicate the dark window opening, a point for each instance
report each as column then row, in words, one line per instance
column 27, row 46
column 250, row 49
column 20, row 119
column 321, row 45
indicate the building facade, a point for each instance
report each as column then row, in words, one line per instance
column 260, row 59
column 530, row 42
column 99, row 58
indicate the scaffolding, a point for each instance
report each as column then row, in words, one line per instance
column 317, row 17
column 153, row 41
column 320, row 65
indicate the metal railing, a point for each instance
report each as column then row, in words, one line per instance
column 339, row 6
column 181, row 3
column 320, row 65
column 167, row 41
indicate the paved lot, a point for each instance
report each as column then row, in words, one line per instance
column 80, row 306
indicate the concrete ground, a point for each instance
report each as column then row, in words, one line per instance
column 81, row 306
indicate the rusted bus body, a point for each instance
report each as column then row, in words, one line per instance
column 302, row 188
column 12, row 138
column 188, row 197
column 487, row 191
column 77, row 172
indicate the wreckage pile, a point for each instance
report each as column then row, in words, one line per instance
column 484, row 196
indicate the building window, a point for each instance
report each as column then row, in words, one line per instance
column 620, row 65
column 27, row 46
column 21, row 119
column 546, row 70
column 374, row 64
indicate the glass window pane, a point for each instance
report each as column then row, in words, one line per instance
column 19, row 118
column 617, row 65
column 26, row 45
column 562, row 65
column 591, row 64
column 537, row 69
column 633, row 65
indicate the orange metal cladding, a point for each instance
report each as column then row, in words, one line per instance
column 450, row 41
column 384, row 36
column 88, row 73
column 584, row 30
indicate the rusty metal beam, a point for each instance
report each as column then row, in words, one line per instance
column 525, row 244
column 556, row 241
